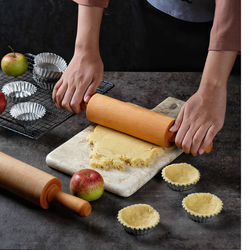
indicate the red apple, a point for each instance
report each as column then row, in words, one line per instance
column 3, row 102
column 14, row 64
column 87, row 184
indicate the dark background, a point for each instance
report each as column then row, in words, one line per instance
column 134, row 35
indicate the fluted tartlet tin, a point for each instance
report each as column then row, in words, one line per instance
column 19, row 90
column 43, row 82
column 49, row 66
column 27, row 112
column 137, row 231
column 137, row 212
column 202, row 207
column 180, row 188
column 180, row 176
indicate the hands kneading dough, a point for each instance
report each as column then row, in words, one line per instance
column 112, row 149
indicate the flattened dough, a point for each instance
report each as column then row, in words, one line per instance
column 112, row 149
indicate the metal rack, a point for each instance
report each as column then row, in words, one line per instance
column 53, row 117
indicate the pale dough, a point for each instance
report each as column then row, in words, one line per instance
column 202, row 204
column 181, row 174
column 139, row 216
column 112, row 149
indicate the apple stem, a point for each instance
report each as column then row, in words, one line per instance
column 12, row 50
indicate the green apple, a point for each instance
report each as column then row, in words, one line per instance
column 14, row 64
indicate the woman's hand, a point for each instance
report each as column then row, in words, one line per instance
column 200, row 119
column 202, row 116
column 78, row 83
column 84, row 73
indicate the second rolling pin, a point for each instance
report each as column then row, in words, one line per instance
column 37, row 186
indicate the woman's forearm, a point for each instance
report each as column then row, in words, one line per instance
column 88, row 29
column 203, row 114
column 217, row 69
column 85, row 70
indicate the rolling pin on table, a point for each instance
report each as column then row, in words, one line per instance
column 37, row 186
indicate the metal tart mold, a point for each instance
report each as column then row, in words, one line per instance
column 138, row 219
column 27, row 112
column 180, row 176
column 202, row 207
column 19, row 91
column 43, row 82
column 49, row 66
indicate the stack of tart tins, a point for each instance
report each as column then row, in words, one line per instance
column 48, row 68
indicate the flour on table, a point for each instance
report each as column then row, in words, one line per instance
column 113, row 149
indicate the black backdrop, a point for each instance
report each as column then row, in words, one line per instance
column 134, row 36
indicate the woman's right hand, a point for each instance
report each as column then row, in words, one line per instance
column 79, row 82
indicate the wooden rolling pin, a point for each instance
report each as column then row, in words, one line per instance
column 37, row 186
column 133, row 120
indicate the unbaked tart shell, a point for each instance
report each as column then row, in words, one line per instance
column 138, row 219
column 180, row 176
column 202, row 207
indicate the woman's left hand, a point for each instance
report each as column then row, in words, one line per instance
column 200, row 119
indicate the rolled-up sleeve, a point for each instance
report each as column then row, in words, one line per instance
column 226, row 31
column 96, row 3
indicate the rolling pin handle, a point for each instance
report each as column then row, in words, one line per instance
column 79, row 206
column 209, row 148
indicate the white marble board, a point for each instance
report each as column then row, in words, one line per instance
column 73, row 155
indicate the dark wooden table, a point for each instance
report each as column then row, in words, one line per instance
column 25, row 226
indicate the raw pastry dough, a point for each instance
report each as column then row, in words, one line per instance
column 112, row 149
column 139, row 216
column 202, row 204
column 181, row 174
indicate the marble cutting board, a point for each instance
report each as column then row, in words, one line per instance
column 73, row 155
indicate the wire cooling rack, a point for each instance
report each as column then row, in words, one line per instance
column 53, row 116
